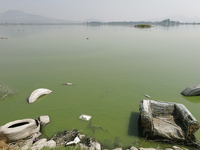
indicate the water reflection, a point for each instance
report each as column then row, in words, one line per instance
column 26, row 30
column 193, row 99
column 134, row 128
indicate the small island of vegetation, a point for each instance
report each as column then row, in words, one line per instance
column 143, row 26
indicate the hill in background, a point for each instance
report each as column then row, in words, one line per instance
column 18, row 16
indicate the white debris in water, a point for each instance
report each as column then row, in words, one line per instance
column 85, row 117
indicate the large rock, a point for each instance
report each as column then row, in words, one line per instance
column 25, row 143
column 193, row 90
column 50, row 144
column 95, row 145
column 44, row 120
column 39, row 142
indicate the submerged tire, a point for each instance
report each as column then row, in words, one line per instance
column 20, row 129
column 193, row 90
column 37, row 93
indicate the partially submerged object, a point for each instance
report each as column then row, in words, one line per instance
column 167, row 121
column 193, row 90
column 85, row 117
column 20, row 129
column 5, row 91
column 147, row 96
column 37, row 93
column 68, row 84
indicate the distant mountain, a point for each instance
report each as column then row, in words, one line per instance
column 18, row 16
column 92, row 20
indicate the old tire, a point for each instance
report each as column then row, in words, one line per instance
column 20, row 129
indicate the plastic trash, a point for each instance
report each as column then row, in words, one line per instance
column 85, row 117
column 75, row 141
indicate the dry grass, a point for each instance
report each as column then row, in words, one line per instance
column 5, row 91
column 3, row 143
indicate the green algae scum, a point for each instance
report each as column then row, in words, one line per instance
column 110, row 71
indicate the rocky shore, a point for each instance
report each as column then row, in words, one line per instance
column 66, row 138
column 11, row 137
column 25, row 134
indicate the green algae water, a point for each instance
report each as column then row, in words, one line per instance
column 112, row 67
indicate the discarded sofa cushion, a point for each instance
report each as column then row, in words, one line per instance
column 166, row 127
column 20, row 129
column 193, row 90
column 165, row 120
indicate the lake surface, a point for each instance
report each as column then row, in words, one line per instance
column 111, row 72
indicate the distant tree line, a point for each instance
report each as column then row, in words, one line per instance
column 166, row 22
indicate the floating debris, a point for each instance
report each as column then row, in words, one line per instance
column 5, row 91
column 147, row 96
column 37, row 93
column 68, row 84
column 85, row 117
column 105, row 93
column 2, row 37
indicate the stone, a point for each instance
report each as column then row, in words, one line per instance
column 25, row 143
column 41, row 141
column 117, row 149
column 133, row 148
column 81, row 136
column 50, row 144
column 176, row 148
column 147, row 148
column 44, row 120
column 95, row 145
column 83, row 146
column 169, row 149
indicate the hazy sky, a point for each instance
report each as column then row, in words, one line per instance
column 105, row 10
